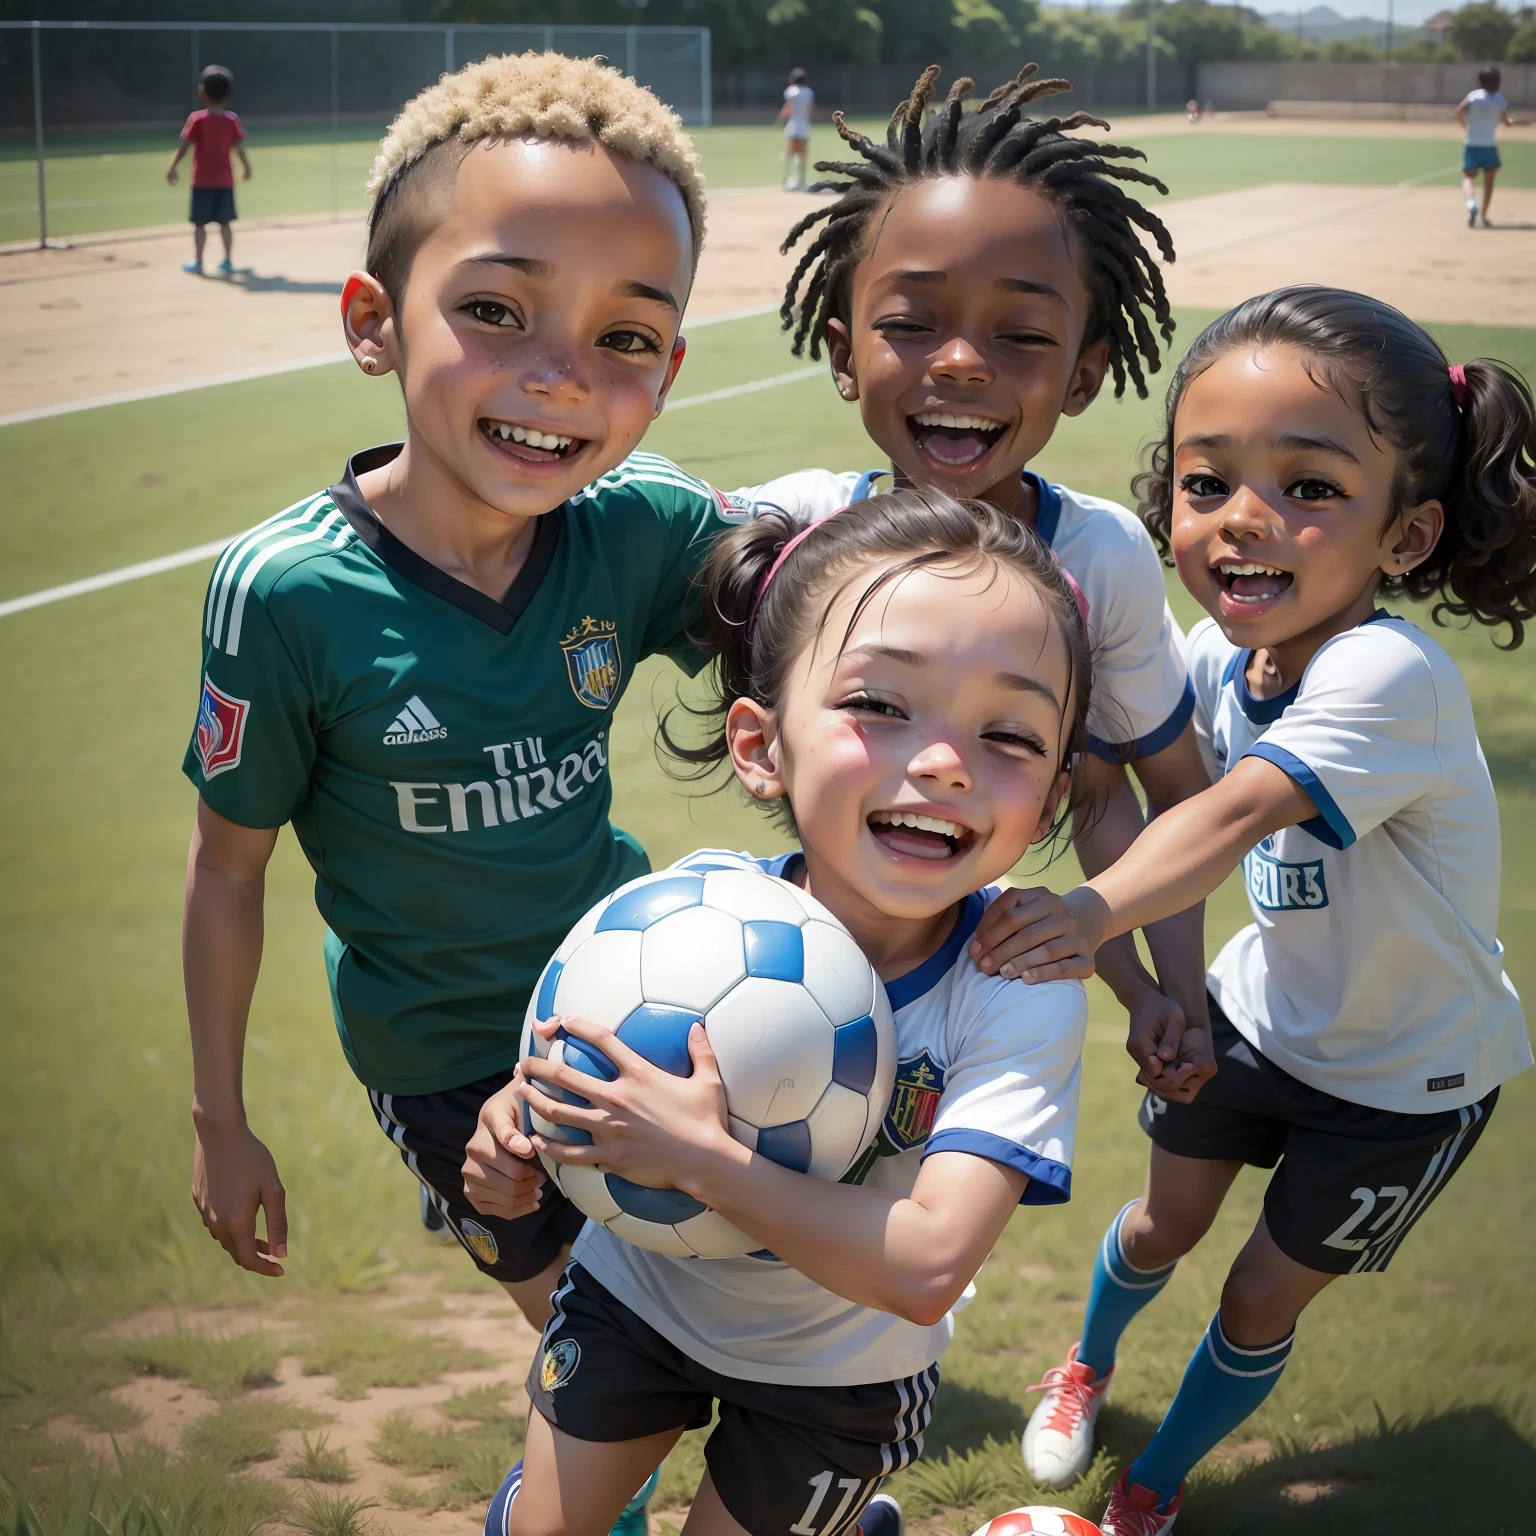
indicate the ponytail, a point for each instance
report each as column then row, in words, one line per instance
column 1464, row 437
column 1484, row 566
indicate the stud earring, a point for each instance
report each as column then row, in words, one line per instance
column 369, row 364
column 762, row 786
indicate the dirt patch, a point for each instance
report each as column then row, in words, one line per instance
column 1407, row 245
column 171, row 1410
column 1313, row 1490
column 118, row 314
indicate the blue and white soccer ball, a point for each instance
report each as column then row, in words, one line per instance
column 794, row 1011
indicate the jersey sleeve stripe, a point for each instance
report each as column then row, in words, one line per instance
column 237, row 608
column 1330, row 825
column 219, row 586
column 287, row 518
column 1050, row 1182
column 1154, row 741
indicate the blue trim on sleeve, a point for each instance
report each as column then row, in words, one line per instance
column 1330, row 825
column 1154, row 741
column 1050, row 1182
column 781, row 865
column 1047, row 505
column 864, row 487
column 907, row 989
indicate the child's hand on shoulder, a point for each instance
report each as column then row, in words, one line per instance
column 1172, row 1053
column 501, row 1175
column 1034, row 935
column 648, row 1125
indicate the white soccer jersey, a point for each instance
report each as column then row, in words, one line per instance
column 1485, row 111
column 800, row 99
column 1373, row 968
column 1141, row 694
column 984, row 1066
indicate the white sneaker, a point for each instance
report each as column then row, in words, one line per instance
column 1058, row 1440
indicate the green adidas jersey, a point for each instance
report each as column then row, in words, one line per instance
column 443, row 757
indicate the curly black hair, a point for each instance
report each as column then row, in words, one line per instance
column 995, row 140
column 1468, row 442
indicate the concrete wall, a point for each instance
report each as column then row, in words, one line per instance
column 1251, row 86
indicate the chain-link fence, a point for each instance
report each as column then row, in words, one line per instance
column 62, row 78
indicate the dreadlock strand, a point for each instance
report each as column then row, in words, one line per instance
column 1009, row 86
column 1036, row 89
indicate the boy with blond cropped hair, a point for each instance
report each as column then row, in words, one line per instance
column 418, row 666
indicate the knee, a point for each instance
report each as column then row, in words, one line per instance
column 1256, row 1307
column 1152, row 1239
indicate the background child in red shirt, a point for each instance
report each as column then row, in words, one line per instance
column 213, row 133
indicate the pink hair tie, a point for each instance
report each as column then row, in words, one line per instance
column 1459, row 390
column 779, row 559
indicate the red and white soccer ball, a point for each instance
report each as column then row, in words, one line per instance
column 1039, row 1520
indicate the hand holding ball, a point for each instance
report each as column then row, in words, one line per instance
column 796, row 1017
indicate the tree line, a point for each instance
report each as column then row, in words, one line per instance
column 772, row 33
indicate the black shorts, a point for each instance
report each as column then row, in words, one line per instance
column 431, row 1131
column 801, row 1460
column 1351, row 1181
column 212, row 205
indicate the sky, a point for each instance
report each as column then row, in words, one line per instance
column 1408, row 12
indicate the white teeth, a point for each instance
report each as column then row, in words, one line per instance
column 922, row 823
column 534, row 439
column 1250, row 569
column 961, row 423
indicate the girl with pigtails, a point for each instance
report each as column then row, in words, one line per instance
column 1320, row 456
column 905, row 684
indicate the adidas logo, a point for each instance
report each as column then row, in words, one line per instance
column 414, row 723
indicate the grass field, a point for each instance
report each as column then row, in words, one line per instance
column 99, row 182
column 1407, row 1390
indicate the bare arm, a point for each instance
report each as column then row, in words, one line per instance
column 170, row 170
column 245, row 160
column 232, row 1172
column 1180, row 859
column 909, row 1255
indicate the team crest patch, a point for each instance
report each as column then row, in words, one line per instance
column 559, row 1364
column 479, row 1241
column 733, row 508
column 593, row 661
column 220, row 729
column 914, row 1101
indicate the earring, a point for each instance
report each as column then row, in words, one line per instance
column 369, row 364
column 762, row 787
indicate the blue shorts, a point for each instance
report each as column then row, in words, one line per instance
column 213, row 205
column 1479, row 157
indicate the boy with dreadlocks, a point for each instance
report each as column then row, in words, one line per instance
column 975, row 281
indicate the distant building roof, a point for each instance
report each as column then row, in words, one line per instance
column 1439, row 22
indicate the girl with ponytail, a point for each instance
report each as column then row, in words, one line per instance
column 904, row 683
column 1321, row 454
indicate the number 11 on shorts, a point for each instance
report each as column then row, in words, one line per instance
column 821, row 1485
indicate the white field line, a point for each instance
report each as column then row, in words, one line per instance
column 198, row 552
column 297, row 365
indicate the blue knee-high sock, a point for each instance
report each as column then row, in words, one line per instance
column 1118, row 1292
column 500, row 1508
column 1223, row 1383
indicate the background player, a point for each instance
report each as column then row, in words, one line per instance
column 1481, row 112
column 213, row 133
column 1319, row 456
column 796, row 114
column 910, row 657
column 967, row 303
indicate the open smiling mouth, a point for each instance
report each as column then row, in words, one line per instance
column 919, row 836
column 1250, row 582
column 952, row 440
column 528, row 443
